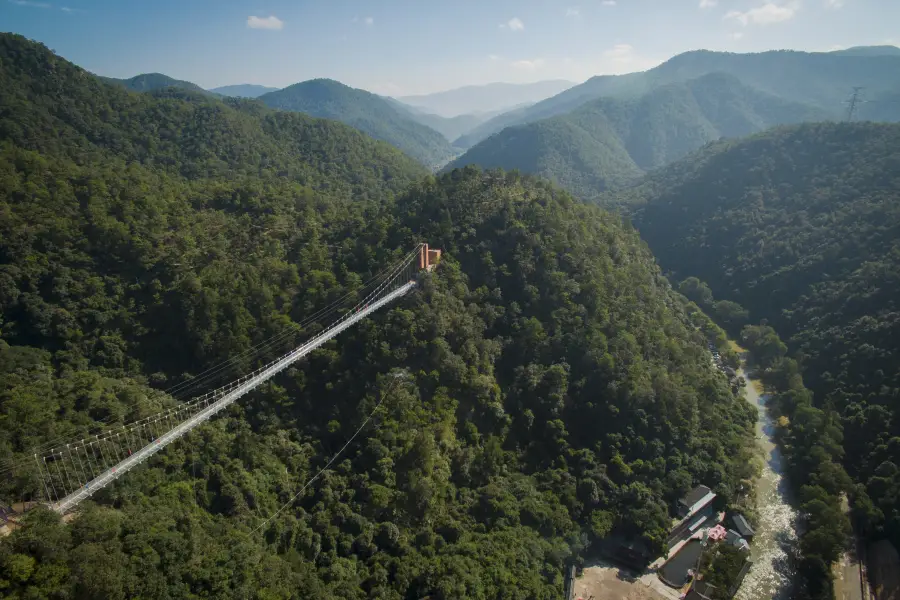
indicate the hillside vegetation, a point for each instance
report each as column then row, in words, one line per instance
column 367, row 112
column 608, row 143
column 555, row 389
column 821, row 80
column 801, row 226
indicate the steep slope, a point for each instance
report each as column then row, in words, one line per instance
column 582, row 161
column 148, row 82
column 801, row 226
column 555, row 390
column 182, row 132
column 485, row 98
column 819, row 79
column 607, row 143
column 365, row 111
column 245, row 90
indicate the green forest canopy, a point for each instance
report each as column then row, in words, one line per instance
column 801, row 226
column 555, row 380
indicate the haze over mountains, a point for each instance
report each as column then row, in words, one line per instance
column 611, row 141
column 478, row 99
column 820, row 79
column 245, row 90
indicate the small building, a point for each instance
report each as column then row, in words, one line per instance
column 743, row 527
column 695, row 501
column 695, row 511
column 735, row 539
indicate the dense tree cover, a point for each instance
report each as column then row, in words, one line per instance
column 609, row 142
column 822, row 80
column 148, row 82
column 554, row 385
column 801, row 226
column 367, row 112
column 555, row 389
column 51, row 106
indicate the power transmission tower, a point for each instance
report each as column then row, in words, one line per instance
column 854, row 101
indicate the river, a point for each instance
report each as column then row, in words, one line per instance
column 772, row 574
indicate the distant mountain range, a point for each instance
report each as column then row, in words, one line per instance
column 609, row 142
column 450, row 127
column 820, row 79
column 372, row 114
column 493, row 97
column 245, row 90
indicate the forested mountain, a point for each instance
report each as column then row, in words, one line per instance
column 801, row 226
column 148, row 82
column 493, row 97
column 609, row 142
column 245, row 90
column 367, row 112
column 181, row 132
column 823, row 80
column 555, row 389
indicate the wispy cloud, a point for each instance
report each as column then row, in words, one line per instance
column 270, row 22
column 708, row 3
column 514, row 24
column 493, row 57
column 767, row 14
column 608, row 2
column 529, row 65
column 834, row 4
column 736, row 35
column 369, row 21
column 31, row 4
column 573, row 11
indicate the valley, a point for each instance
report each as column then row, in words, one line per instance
column 240, row 276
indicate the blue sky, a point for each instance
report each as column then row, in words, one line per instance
column 418, row 46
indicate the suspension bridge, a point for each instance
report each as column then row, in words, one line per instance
column 72, row 472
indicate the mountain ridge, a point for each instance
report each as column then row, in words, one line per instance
column 327, row 98
column 243, row 90
column 821, row 79
column 609, row 142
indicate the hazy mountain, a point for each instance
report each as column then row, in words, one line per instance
column 821, row 79
column 870, row 51
column 610, row 141
column 474, row 99
column 450, row 127
column 367, row 112
column 148, row 82
column 245, row 90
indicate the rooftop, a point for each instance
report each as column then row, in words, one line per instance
column 742, row 526
column 695, row 495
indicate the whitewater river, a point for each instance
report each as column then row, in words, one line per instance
column 771, row 575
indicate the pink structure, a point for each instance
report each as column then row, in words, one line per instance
column 717, row 533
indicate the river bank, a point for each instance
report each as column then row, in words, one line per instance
column 771, row 576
